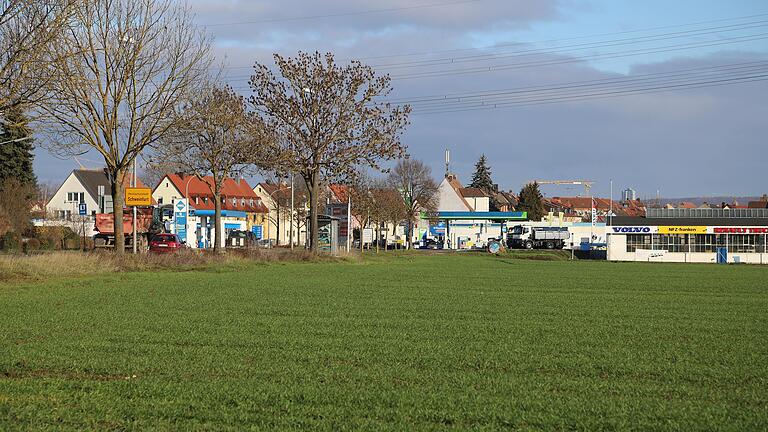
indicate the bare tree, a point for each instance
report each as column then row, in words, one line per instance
column 328, row 119
column 215, row 134
column 418, row 190
column 154, row 167
column 125, row 66
column 28, row 28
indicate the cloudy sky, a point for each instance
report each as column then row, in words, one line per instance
column 655, row 95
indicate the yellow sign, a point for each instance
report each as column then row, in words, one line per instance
column 137, row 197
column 682, row 230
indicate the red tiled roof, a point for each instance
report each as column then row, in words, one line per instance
column 245, row 198
column 581, row 203
column 339, row 192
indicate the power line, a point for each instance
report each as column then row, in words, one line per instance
column 526, row 96
column 599, row 44
column 342, row 14
column 604, row 95
column 576, row 84
column 548, row 62
column 604, row 56
column 528, row 43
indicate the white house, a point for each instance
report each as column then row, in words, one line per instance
column 88, row 186
column 453, row 197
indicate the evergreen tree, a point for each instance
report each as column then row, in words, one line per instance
column 531, row 201
column 481, row 179
column 16, row 153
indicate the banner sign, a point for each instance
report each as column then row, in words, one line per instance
column 180, row 218
column 632, row 230
column 740, row 230
column 367, row 235
column 138, row 197
column 682, row 230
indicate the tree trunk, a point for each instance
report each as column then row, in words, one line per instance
column 314, row 191
column 117, row 210
column 219, row 232
column 277, row 225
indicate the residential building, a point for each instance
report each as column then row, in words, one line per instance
column 87, row 186
column 241, row 207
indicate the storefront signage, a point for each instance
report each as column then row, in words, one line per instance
column 632, row 230
column 682, row 230
column 740, row 230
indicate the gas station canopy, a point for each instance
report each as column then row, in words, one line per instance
column 467, row 215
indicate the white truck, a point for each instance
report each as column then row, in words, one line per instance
column 530, row 237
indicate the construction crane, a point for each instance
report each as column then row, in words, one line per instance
column 586, row 183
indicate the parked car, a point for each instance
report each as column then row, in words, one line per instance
column 242, row 239
column 430, row 243
column 163, row 243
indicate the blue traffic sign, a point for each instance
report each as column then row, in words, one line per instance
column 83, row 209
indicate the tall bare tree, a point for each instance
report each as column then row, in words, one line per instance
column 328, row 118
column 418, row 190
column 28, row 29
column 125, row 66
column 215, row 134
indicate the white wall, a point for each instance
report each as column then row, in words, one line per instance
column 59, row 202
column 449, row 198
column 166, row 192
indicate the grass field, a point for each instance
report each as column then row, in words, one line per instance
column 403, row 342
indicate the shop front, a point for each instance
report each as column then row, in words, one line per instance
column 703, row 240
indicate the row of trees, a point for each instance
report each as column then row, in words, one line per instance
column 401, row 197
column 131, row 77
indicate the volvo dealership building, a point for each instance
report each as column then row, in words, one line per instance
column 690, row 235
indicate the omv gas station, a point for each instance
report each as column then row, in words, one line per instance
column 467, row 230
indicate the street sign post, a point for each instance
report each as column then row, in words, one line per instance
column 82, row 209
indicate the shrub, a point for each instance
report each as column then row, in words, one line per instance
column 32, row 244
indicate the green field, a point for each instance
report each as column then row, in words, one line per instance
column 404, row 342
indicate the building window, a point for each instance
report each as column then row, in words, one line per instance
column 242, row 202
column 234, row 202
column 701, row 243
column 76, row 197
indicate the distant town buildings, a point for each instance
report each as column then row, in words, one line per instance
column 628, row 194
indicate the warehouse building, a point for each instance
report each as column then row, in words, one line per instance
column 701, row 235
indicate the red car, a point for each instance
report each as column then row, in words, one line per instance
column 165, row 243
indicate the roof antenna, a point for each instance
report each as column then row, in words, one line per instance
column 447, row 162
